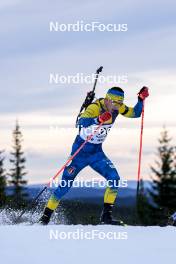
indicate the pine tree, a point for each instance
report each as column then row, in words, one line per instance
column 164, row 177
column 17, row 172
column 2, row 180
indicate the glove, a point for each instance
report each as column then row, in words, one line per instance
column 104, row 117
column 143, row 93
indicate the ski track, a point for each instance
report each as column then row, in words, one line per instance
column 32, row 244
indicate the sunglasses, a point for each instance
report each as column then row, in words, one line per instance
column 117, row 102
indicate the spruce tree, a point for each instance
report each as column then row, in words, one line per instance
column 164, row 178
column 2, row 180
column 17, row 172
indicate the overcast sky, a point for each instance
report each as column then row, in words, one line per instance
column 29, row 52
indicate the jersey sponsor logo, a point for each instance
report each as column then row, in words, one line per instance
column 71, row 170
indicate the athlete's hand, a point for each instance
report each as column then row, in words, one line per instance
column 143, row 93
column 104, row 117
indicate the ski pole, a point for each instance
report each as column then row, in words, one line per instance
column 140, row 151
column 76, row 152
column 34, row 201
column 96, row 77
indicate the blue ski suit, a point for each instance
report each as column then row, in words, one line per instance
column 92, row 154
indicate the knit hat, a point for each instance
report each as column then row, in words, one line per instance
column 115, row 94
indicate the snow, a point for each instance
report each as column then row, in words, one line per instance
column 35, row 244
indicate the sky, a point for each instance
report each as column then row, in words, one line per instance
column 29, row 53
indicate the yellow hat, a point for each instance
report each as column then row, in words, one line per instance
column 115, row 94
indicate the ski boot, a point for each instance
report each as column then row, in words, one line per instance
column 106, row 216
column 44, row 220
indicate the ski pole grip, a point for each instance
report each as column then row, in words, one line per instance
column 99, row 70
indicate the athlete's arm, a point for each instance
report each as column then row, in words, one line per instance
column 89, row 117
column 132, row 112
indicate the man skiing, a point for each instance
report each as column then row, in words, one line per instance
column 105, row 111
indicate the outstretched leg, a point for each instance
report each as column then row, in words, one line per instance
column 101, row 164
column 68, row 177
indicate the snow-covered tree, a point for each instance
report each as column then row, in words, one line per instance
column 164, row 175
column 17, row 172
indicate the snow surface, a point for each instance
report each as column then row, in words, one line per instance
column 32, row 244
